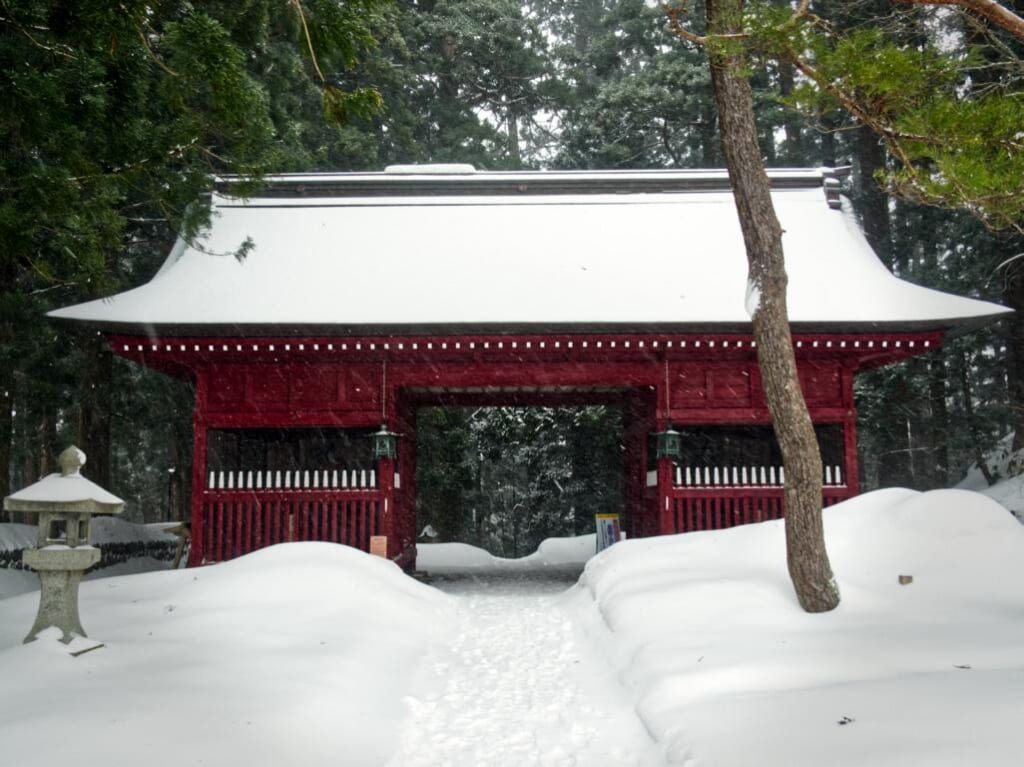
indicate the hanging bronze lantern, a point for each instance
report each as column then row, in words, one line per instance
column 670, row 444
column 385, row 443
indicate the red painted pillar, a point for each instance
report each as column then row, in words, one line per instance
column 666, row 514
column 388, row 510
column 851, row 465
column 197, row 553
column 405, row 486
column 634, row 467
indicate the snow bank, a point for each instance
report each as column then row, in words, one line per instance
column 296, row 654
column 728, row 670
column 457, row 558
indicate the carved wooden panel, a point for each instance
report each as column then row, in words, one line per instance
column 315, row 385
column 728, row 386
column 822, row 385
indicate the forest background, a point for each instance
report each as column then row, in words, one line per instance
column 114, row 119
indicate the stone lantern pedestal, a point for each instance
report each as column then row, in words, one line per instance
column 65, row 504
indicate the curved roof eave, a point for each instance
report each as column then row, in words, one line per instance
column 643, row 261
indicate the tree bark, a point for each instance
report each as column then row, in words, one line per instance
column 808, row 562
column 792, row 123
column 976, row 440
column 1013, row 297
column 939, row 422
column 6, row 433
column 94, row 410
column 874, row 203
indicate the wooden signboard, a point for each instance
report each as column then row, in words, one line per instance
column 379, row 545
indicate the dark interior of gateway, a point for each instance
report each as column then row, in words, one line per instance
column 728, row 446
column 319, row 449
column 304, row 449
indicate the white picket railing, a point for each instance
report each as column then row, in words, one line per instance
column 327, row 479
column 745, row 476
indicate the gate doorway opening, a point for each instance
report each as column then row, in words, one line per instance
column 506, row 478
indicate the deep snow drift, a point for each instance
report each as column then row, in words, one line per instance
column 296, row 654
column 566, row 555
column 727, row 670
column 317, row 654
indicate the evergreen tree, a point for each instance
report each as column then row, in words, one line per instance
column 115, row 117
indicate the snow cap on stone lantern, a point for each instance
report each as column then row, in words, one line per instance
column 65, row 504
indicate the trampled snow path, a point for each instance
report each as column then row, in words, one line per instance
column 518, row 687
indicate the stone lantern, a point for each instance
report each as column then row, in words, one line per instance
column 65, row 504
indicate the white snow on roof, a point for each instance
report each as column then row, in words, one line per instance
column 63, row 489
column 640, row 259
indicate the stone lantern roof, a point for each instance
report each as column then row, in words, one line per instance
column 67, row 491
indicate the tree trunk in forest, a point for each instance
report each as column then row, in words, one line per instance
column 94, row 410
column 828, row 142
column 6, row 433
column 976, row 439
column 514, row 154
column 792, row 122
column 939, row 422
column 1013, row 297
column 874, row 203
column 808, row 562
column 708, row 136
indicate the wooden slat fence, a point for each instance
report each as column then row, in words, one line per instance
column 245, row 511
column 746, row 476
column 713, row 498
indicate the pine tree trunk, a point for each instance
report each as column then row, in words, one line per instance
column 874, row 203
column 806, row 556
column 792, row 123
column 972, row 425
column 939, row 423
column 6, row 432
column 514, row 153
column 94, row 411
column 1013, row 297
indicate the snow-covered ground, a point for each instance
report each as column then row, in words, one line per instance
column 517, row 684
column 567, row 555
column 727, row 670
column 298, row 654
column 687, row 650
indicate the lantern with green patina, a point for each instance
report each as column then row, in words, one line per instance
column 669, row 444
column 385, row 443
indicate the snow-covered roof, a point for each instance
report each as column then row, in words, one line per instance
column 457, row 250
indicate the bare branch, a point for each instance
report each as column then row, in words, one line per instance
column 297, row 5
column 676, row 25
column 995, row 12
column 42, row 46
column 152, row 55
